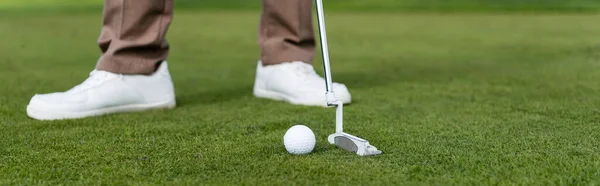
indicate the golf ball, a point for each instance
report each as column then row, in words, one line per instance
column 299, row 140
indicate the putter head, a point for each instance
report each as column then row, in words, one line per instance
column 353, row 144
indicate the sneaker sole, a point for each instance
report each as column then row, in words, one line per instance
column 267, row 94
column 40, row 114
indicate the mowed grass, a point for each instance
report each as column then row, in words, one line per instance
column 334, row 5
column 452, row 99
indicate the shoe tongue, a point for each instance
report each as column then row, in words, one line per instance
column 304, row 68
column 101, row 73
column 96, row 76
column 308, row 73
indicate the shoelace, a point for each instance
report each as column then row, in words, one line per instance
column 96, row 77
column 305, row 71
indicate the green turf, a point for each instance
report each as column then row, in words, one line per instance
column 338, row 5
column 452, row 99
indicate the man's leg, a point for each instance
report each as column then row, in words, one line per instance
column 133, row 35
column 286, row 31
column 130, row 75
column 287, row 42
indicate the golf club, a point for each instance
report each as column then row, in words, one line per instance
column 339, row 138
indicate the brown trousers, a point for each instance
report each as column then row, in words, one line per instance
column 133, row 34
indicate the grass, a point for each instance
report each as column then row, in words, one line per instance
column 335, row 5
column 452, row 99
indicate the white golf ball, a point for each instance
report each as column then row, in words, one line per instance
column 299, row 140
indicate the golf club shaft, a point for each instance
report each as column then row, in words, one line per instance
column 324, row 46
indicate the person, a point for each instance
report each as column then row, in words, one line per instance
column 132, row 73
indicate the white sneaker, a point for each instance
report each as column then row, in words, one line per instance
column 105, row 93
column 295, row 82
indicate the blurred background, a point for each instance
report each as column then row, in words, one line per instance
column 348, row 5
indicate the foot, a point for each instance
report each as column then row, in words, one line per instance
column 105, row 93
column 296, row 83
